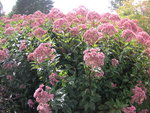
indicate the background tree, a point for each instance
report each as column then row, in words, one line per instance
column 31, row 6
column 1, row 9
column 138, row 11
column 115, row 4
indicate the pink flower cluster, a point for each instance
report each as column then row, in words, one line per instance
column 92, row 15
column 107, row 28
column 99, row 74
column 9, row 30
column 143, row 38
column 42, row 97
column 148, row 51
column 3, row 54
column 3, row 41
column 129, row 24
column 60, row 25
column 22, row 45
column 91, row 36
column 39, row 32
column 148, row 71
column 94, row 58
column 9, row 77
column 30, row 103
column 9, row 65
column 113, row 85
column 42, row 52
column 128, row 35
column 131, row 109
column 139, row 94
column 144, row 111
column 53, row 78
column 114, row 62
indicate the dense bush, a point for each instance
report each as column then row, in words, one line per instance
column 81, row 62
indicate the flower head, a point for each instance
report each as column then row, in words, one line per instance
column 94, row 58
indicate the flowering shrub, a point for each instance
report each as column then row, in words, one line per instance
column 88, row 62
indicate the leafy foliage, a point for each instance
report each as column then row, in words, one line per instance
column 77, row 88
column 137, row 11
column 31, row 6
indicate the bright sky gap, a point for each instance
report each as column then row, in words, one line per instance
column 100, row 6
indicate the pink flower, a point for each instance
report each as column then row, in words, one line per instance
column 44, row 108
column 81, row 10
column 94, row 58
column 99, row 74
column 113, row 85
column 3, row 41
column 60, row 25
column 3, row 54
column 129, row 24
column 22, row 45
column 42, row 96
column 55, row 14
column 9, row 30
column 114, row 17
column 91, row 36
column 139, row 94
column 53, row 78
column 107, row 28
column 144, row 111
column 114, row 62
column 148, row 71
column 9, row 65
column 128, row 35
column 22, row 86
column 42, row 52
column 74, row 31
column 31, row 56
column 39, row 32
column 129, row 109
column 148, row 51
column 82, row 27
column 9, row 77
column 30, row 103
column 92, row 15
column 143, row 37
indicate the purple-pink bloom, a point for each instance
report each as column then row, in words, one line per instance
column 131, row 109
column 92, row 15
column 22, row 45
column 42, row 52
column 148, row 71
column 139, row 94
column 3, row 54
column 94, row 58
column 128, row 35
column 30, row 103
column 39, row 32
column 60, row 25
column 99, row 74
column 44, row 108
column 113, row 85
column 107, row 28
column 42, row 96
column 91, row 36
column 9, row 30
column 114, row 62
column 9, row 77
column 148, row 51
column 53, row 78
column 114, row 17
column 144, row 111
